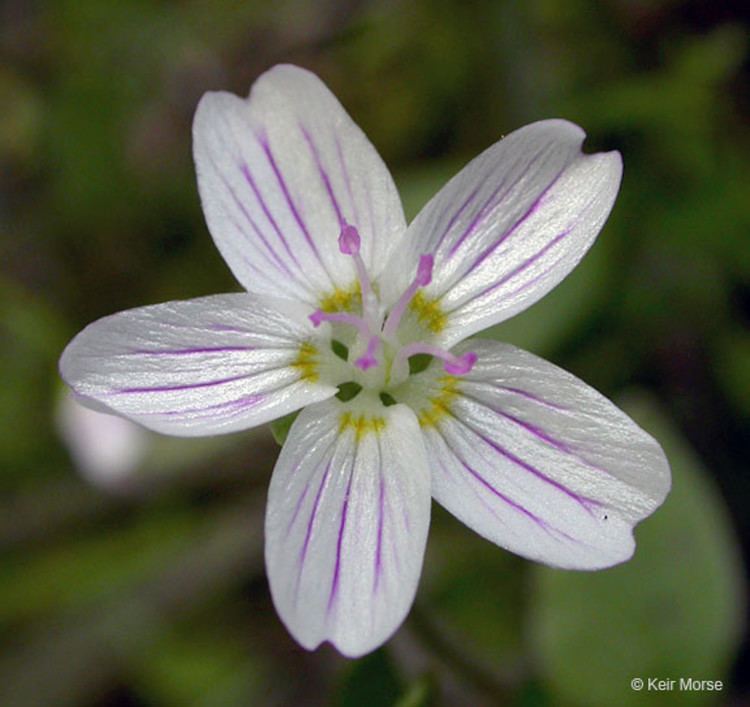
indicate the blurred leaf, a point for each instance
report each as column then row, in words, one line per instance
column 371, row 681
column 32, row 337
column 78, row 572
column 678, row 107
column 66, row 660
column 674, row 610
column 200, row 666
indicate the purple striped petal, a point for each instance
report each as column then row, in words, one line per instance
column 346, row 524
column 279, row 174
column 535, row 460
column 204, row 366
column 512, row 224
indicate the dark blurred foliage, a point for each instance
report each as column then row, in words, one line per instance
column 149, row 590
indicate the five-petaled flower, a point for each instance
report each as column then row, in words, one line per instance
column 361, row 320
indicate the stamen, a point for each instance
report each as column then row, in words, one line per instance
column 455, row 365
column 349, row 241
column 368, row 360
column 349, row 244
column 422, row 278
column 319, row 316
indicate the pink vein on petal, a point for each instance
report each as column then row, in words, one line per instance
column 245, row 169
column 528, row 213
column 505, row 499
column 323, row 175
column 186, row 386
column 190, row 351
column 340, row 540
column 263, row 141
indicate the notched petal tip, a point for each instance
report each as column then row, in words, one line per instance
column 560, row 129
column 285, row 72
column 279, row 172
column 211, row 104
column 614, row 164
column 513, row 223
column 540, row 463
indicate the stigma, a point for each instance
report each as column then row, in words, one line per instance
column 384, row 343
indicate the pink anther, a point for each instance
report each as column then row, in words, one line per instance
column 424, row 270
column 460, row 365
column 349, row 240
column 455, row 365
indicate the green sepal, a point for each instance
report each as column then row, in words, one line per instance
column 281, row 426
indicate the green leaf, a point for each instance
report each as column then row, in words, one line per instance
column 673, row 611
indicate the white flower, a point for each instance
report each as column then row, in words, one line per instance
column 106, row 449
column 340, row 291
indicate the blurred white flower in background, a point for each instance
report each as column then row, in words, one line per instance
column 106, row 449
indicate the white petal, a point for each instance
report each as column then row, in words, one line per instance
column 538, row 462
column 203, row 366
column 346, row 524
column 278, row 173
column 512, row 224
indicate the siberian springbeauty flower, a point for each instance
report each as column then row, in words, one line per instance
column 343, row 298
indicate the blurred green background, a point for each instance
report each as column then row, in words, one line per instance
column 145, row 587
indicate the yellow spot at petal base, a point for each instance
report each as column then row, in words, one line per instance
column 429, row 313
column 439, row 406
column 361, row 424
column 307, row 362
column 342, row 300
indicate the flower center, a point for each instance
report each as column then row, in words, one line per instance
column 382, row 348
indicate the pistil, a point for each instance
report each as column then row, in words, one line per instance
column 380, row 340
column 368, row 360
